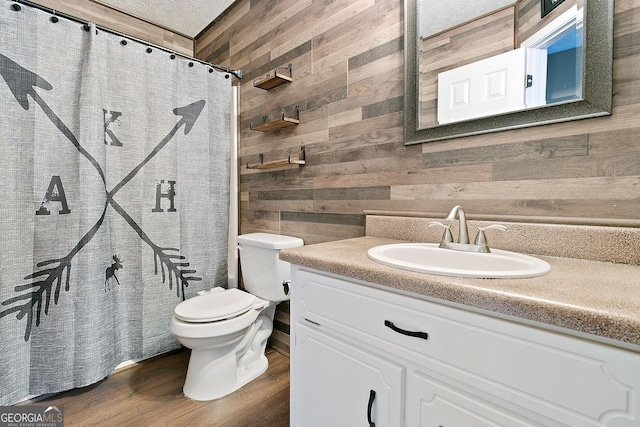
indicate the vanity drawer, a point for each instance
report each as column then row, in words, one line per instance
column 537, row 369
column 328, row 302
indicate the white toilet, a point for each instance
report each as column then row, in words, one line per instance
column 227, row 329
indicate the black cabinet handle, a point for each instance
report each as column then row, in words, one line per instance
column 372, row 397
column 390, row 324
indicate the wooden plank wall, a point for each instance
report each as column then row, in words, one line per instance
column 347, row 58
column 347, row 61
column 118, row 21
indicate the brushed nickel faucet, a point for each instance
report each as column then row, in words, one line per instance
column 480, row 242
column 463, row 233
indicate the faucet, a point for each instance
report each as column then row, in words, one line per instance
column 480, row 242
column 463, row 233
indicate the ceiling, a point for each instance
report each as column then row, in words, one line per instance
column 187, row 17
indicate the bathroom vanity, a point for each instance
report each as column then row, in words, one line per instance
column 375, row 345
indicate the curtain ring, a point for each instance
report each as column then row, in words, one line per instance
column 149, row 50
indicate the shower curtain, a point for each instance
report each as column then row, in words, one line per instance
column 114, row 198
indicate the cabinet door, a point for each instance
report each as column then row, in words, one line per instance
column 340, row 384
column 435, row 403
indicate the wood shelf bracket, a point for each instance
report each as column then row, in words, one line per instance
column 299, row 161
column 279, row 123
column 269, row 81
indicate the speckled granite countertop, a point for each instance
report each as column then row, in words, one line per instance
column 601, row 299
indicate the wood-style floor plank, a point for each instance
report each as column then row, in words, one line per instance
column 150, row 394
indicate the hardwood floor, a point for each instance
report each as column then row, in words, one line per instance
column 150, row 394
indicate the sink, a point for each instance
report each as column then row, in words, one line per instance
column 429, row 258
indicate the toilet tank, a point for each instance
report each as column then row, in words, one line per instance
column 263, row 273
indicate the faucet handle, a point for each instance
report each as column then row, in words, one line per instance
column 481, row 239
column 447, row 237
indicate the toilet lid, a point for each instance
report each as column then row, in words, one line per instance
column 215, row 306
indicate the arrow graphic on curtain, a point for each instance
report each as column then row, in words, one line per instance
column 47, row 281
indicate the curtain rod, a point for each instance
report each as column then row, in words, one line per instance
column 236, row 73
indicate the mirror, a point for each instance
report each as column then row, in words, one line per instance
column 593, row 50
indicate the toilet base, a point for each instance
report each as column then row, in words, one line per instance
column 252, row 371
column 216, row 382
column 217, row 371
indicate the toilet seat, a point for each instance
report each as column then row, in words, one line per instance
column 215, row 306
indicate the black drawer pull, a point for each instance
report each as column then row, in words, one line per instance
column 372, row 397
column 422, row 335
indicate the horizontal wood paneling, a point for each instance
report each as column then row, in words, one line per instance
column 347, row 58
column 347, row 61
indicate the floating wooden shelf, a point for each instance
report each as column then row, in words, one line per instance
column 269, row 82
column 279, row 123
column 300, row 161
column 275, row 164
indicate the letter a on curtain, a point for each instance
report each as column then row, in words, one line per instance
column 114, row 198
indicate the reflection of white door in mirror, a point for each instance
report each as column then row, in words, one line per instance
column 535, row 93
column 546, row 69
column 491, row 86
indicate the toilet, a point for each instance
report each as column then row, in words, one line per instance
column 227, row 329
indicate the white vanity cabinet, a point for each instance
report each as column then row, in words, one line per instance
column 431, row 364
column 344, row 385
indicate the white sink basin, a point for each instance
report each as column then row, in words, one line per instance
column 429, row 258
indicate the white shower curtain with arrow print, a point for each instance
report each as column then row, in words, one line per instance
column 114, row 198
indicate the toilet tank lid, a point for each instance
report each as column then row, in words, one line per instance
column 269, row 241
